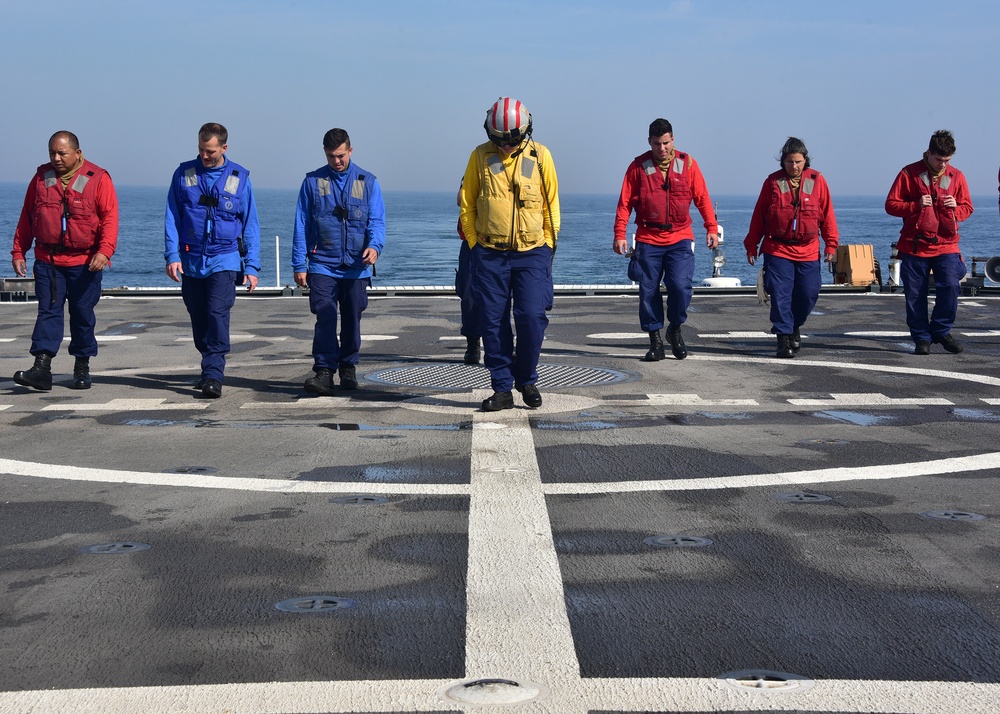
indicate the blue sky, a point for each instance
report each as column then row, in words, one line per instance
column 864, row 84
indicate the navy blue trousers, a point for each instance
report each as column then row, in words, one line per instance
column 794, row 288
column 208, row 301
column 326, row 295
column 463, row 286
column 673, row 265
column 949, row 269
column 54, row 286
column 505, row 282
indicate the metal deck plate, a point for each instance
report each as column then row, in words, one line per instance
column 461, row 376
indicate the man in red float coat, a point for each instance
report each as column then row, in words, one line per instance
column 70, row 212
column 932, row 198
column 660, row 186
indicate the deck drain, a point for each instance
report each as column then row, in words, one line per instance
column 835, row 442
column 315, row 603
column 116, row 548
column 677, row 541
column 765, row 680
column 360, row 500
column 461, row 376
column 505, row 470
column 494, row 691
column 802, row 497
column 953, row 516
column 191, row 470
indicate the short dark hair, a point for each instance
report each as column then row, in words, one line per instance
column 211, row 129
column 794, row 145
column 74, row 143
column 942, row 143
column 659, row 127
column 334, row 138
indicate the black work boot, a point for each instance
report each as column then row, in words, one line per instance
column 81, row 373
column 655, row 353
column 676, row 340
column 348, row 377
column 472, row 351
column 785, row 347
column 320, row 383
column 40, row 374
column 532, row 398
column 498, row 401
column 795, row 341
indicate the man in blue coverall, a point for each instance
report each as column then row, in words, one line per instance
column 339, row 234
column 212, row 244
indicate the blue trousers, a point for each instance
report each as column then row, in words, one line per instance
column 794, row 287
column 463, row 286
column 208, row 301
column 326, row 295
column 54, row 286
column 673, row 265
column 505, row 282
column 948, row 269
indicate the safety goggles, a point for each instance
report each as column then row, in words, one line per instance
column 507, row 140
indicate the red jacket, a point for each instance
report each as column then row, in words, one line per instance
column 933, row 230
column 643, row 192
column 91, row 225
column 788, row 230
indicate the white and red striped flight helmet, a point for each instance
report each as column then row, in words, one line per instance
column 507, row 121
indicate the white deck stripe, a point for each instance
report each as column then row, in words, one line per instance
column 962, row 464
column 125, row 405
column 694, row 400
column 869, row 400
column 653, row 694
column 517, row 626
column 267, row 485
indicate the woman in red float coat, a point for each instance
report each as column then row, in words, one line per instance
column 793, row 211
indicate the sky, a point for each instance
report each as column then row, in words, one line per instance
column 864, row 84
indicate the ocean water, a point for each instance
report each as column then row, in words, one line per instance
column 422, row 245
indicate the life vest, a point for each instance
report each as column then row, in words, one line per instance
column 936, row 221
column 665, row 202
column 510, row 208
column 66, row 219
column 211, row 216
column 335, row 235
column 794, row 219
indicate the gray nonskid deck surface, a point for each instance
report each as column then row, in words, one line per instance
column 730, row 532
